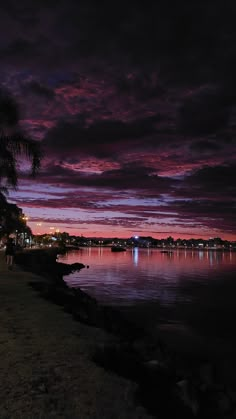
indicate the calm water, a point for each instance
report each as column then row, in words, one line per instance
column 195, row 290
column 139, row 275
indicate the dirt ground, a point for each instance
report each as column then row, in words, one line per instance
column 46, row 366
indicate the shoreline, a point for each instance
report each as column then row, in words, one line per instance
column 140, row 359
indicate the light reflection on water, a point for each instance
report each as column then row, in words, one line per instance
column 187, row 296
column 139, row 275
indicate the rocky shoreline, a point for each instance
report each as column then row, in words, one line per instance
column 167, row 384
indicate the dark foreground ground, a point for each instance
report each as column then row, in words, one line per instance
column 46, row 365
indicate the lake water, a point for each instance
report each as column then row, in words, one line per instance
column 193, row 290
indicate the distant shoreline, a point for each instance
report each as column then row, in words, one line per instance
column 174, row 249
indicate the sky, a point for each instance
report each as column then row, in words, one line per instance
column 135, row 109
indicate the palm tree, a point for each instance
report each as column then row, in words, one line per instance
column 14, row 146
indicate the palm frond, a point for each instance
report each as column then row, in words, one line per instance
column 3, row 191
column 20, row 146
column 8, row 167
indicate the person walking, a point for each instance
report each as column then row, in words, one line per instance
column 10, row 253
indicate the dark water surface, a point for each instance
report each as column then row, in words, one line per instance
column 191, row 293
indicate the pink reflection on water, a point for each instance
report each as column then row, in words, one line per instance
column 145, row 274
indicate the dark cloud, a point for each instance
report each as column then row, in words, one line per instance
column 143, row 86
column 22, row 48
column 212, row 214
column 204, row 112
column 205, row 146
column 185, row 40
column 137, row 178
column 218, row 179
column 102, row 138
column 39, row 89
column 132, row 177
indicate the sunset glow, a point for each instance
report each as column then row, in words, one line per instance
column 136, row 120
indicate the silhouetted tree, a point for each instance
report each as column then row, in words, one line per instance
column 14, row 145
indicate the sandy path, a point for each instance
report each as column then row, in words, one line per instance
column 46, row 369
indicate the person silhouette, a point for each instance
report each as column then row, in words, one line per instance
column 10, row 253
